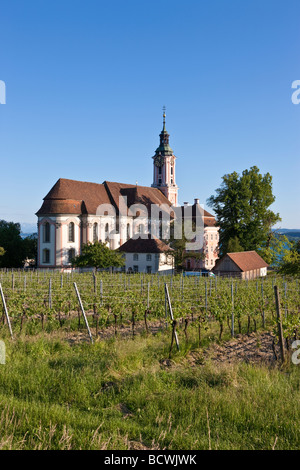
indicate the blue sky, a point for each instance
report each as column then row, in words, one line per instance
column 86, row 82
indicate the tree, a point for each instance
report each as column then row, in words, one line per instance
column 11, row 241
column 290, row 264
column 275, row 248
column 98, row 256
column 30, row 247
column 14, row 249
column 242, row 209
column 234, row 245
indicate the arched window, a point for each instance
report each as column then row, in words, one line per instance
column 141, row 229
column 46, row 256
column 95, row 232
column 71, row 232
column 128, row 231
column 160, row 229
column 106, row 232
column 71, row 255
column 46, row 233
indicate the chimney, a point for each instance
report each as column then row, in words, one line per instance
column 185, row 204
column 196, row 201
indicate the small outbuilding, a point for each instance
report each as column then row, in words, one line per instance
column 244, row 264
column 148, row 255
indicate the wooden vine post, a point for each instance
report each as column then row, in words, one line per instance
column 174, row 333
column 50, row 294
column 6, row 312
column 279, row 323
column 83, row 312
column 232, row 311
column 174, row 336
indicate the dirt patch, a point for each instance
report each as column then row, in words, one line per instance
column 253, row 348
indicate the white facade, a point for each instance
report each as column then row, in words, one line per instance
column 54, row 248
column 149, row 263
column 263, row 271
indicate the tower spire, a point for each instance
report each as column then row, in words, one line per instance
column 164, row 166
column 164, row 118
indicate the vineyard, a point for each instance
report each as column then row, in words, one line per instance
column 199, row 309
column 115, row 361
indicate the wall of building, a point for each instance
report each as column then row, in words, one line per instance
column 59, row 245
column 140, row 262
column 210, row 250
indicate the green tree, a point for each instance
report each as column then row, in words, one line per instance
column 30, row 247
column 234, row 245
column 98, row 256
column 2, row 251
column 275, row 248
column 241, row 205
column 290, row 264
column 11, row 241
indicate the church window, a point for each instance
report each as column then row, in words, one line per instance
column 71, row 232
column 160, row 229
column 95, row 232
column 46, row 233
column 159, row 170
column 106, row 232
column 128, row 231
column 71, row 255
column 171, row 170
column 46, row 256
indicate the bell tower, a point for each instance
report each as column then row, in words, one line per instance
column 164, row 166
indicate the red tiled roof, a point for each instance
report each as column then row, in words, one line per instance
column 209, row 222
column 245, row 260
column 78, row 197
column 60, row 206
column 135, row 194
column 61, row 197
column 148, row 245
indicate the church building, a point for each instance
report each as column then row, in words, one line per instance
column 75, row 212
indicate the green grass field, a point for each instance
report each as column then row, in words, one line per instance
column 116, row 394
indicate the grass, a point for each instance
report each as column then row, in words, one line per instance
column 116, row 394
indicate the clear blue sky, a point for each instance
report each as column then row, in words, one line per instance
column 86, row 82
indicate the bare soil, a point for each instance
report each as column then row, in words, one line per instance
column 253, row 348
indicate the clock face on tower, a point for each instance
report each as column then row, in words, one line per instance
column 159, row 161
